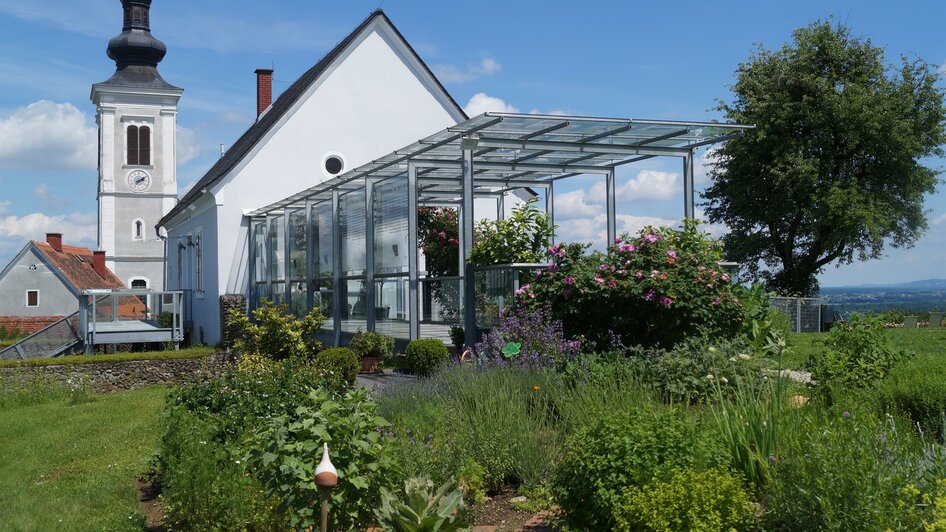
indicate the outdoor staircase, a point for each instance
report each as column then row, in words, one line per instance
column 56, row 339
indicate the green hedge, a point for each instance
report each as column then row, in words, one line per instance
column 193, row 352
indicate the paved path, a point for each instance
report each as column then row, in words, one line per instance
column 378, row 381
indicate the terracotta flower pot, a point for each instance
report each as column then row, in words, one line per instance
column 370, row 364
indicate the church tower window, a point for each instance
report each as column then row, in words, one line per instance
column 138, row 230
column 139, row 145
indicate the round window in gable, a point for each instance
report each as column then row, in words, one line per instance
column 334, row 165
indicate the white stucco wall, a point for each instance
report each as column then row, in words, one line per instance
column 374, row 99
column 54, row 298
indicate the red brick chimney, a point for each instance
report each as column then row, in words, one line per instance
column 54, row 240
column 98, row 264
column 264, row 89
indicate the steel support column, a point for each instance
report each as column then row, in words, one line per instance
column 689, row 202
column 469, row 282
column 369, row 254
column 413, row 303
column 287, row 279
column 550, row 192
column 610, row 192
column 309, row 258
column 336, row 269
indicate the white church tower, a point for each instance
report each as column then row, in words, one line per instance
column 136, row 115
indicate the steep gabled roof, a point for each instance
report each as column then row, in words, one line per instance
column 75, row 265
column 283, row 104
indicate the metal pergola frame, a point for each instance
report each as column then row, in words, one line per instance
column 489, row 156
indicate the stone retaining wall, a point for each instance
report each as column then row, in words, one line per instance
column 125, row 375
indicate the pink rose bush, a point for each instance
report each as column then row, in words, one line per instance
column 654, row 289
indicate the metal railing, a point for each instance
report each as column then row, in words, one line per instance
column 55, row 339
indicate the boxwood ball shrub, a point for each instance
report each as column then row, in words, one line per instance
column 341, row 361
column 425, row 355
column 657, row 288
column 372, row 344
column 617, row 452
column 688, row 500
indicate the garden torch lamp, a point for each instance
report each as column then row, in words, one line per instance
column 326, row 478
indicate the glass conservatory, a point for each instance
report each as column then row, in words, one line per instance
column 349, row 245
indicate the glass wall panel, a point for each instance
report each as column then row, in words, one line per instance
column 354, row 301
column 322, row 248
column 259, row 251
column 352, row 227
column 258, row 243
column 322, row 300
column 390, row 223
column 297, row 249
column 391, row 306
column 276, row 248
column 278, row 295
column 297, row 298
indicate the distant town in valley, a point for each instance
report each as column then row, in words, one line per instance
column 924, row 295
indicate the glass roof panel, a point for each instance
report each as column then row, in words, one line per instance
column 509, row 143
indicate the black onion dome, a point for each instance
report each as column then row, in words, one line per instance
column 135, row 51
column 136, row 45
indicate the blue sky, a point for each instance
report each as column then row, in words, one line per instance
column 643, row 60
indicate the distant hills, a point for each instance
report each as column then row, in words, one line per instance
column 925, row 284
column 923, row 295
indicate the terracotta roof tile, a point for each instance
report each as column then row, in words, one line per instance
column 75, row 263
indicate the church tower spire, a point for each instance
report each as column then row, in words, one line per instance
column 137, row 119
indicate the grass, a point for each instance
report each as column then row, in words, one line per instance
column 73, row 466
column 192, row 352
column 925, row 342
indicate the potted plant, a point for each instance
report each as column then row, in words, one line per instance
column 372, row 347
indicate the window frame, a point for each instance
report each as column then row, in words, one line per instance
column 137, row 224
column 148, row 147
column 32, row 291
column 199, row 262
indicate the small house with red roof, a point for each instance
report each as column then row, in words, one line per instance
column 44, row 281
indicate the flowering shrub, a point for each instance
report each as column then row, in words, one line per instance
column 528, row 338
column 520, row 238
column 438, row 234
column 654, row 289
column 275, row 333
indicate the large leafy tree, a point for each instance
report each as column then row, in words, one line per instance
column 832, row 171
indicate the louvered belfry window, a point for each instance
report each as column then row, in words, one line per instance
column 139, row 145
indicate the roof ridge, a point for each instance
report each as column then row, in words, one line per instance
column 281, row 105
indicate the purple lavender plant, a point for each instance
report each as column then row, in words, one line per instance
column 543, row 342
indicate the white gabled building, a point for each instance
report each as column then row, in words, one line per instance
column 370, row 95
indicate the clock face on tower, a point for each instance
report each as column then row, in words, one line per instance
column 139, row 181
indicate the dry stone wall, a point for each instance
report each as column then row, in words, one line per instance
column 125, row 375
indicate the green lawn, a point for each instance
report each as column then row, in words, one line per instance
column 73, row 467
column 924, row 342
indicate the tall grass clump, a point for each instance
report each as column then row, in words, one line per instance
column 24, row 389
column 850, row 470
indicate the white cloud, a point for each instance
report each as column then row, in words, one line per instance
column 454, row 74
column 187, row 145
column 702, row 165
column 939, row 220
column 595, row 228
column 482, row 103
column 77, row 229
column 647, row 185
column 46, row 135
column 47, row 197
column 4, row 206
